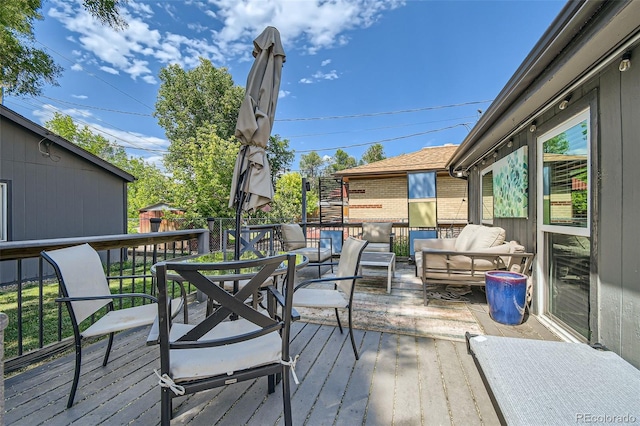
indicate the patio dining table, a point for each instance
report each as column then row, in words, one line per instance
column 232, row 275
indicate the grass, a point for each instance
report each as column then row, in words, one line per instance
column 52, row 312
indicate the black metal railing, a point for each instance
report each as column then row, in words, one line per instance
column 38, row 326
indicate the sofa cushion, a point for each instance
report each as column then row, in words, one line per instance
column 292, row 236
column 377, row 232
column 478, row 237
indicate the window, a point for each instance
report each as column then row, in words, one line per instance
column 486, row 189
column 4, row 211
column 565, row 175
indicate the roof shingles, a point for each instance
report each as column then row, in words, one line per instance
column 431, row 158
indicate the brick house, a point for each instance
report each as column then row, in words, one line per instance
column 414, row 188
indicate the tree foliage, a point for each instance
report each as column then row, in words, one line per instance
column 280, row 157
column 374, row 153
column 287, row 201
column 203, row 188
column 311, row 165
column 24, row 69
column 150, row 186
column 190, row 100
column 341, row 161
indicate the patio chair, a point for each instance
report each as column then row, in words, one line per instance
column 339, row 294
column 379, row 235
column 85, row 291
column 237, row 341
column 294, row 241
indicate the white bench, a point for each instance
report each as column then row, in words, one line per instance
column 556, row 383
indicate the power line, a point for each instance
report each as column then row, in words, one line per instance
column 378, row 128
column 375, row 114
column 95, row 107
column 94, row 75
column 381, row 141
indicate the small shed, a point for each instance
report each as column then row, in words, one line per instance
column 159, row 210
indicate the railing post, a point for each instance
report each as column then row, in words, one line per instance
column 4, row 321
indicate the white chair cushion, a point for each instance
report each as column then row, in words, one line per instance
column 292, row 236
column 319, row 298
column 314, row 254
column 123, row 319
column 193, row 364
column 378, row 247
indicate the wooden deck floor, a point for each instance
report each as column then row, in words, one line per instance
column 399, row 379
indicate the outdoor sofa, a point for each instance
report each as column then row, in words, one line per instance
column 465, row 259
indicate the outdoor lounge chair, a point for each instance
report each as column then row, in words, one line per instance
column 294, row 241
column 379, row 235
column 340, row 288
column 234, row 343
column 85, row 291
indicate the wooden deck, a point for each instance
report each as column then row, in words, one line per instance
column 399, row 379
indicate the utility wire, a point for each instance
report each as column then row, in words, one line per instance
column 381, row 141
column 375, row 114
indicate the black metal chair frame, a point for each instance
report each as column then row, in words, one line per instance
column 66, row 299
column 228, row 306
column 354, row 277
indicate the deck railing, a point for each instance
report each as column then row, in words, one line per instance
column 36, row 327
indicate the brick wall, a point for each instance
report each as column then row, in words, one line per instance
column 379, row 198
column 451, row 192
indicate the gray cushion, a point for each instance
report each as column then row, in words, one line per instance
column 292, row 236
column 377, row 232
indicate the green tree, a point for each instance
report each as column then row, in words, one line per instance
column 556, row 145
column 287, row 200
column 341, row 161
column 280, row 157
column 202, row 189
column 374, row 153
column 150, row 186
column 24, row 69
column 311, row 165
column 190, row 100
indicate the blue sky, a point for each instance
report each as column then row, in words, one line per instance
column 406, row 74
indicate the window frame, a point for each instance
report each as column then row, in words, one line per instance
column 484, row 172
column 4, row 211
column 579, row 117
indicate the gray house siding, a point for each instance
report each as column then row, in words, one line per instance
column 614, row 100
column 57, row 189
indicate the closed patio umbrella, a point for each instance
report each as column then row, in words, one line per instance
column 251, row 186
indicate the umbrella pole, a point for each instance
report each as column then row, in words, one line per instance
column 240, row 196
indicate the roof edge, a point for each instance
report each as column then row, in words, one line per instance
column 63, row 143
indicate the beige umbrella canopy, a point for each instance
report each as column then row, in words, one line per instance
column 251, row 186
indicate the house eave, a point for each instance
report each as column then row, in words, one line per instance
column 583, row 35
column 63, row 143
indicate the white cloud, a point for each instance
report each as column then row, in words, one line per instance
column 331, row 75
column 310, row 25
column 76, row 67
column 325, row 62
column 306, row 81
column 283, row 94
column 80, row 96
column 110, row 70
